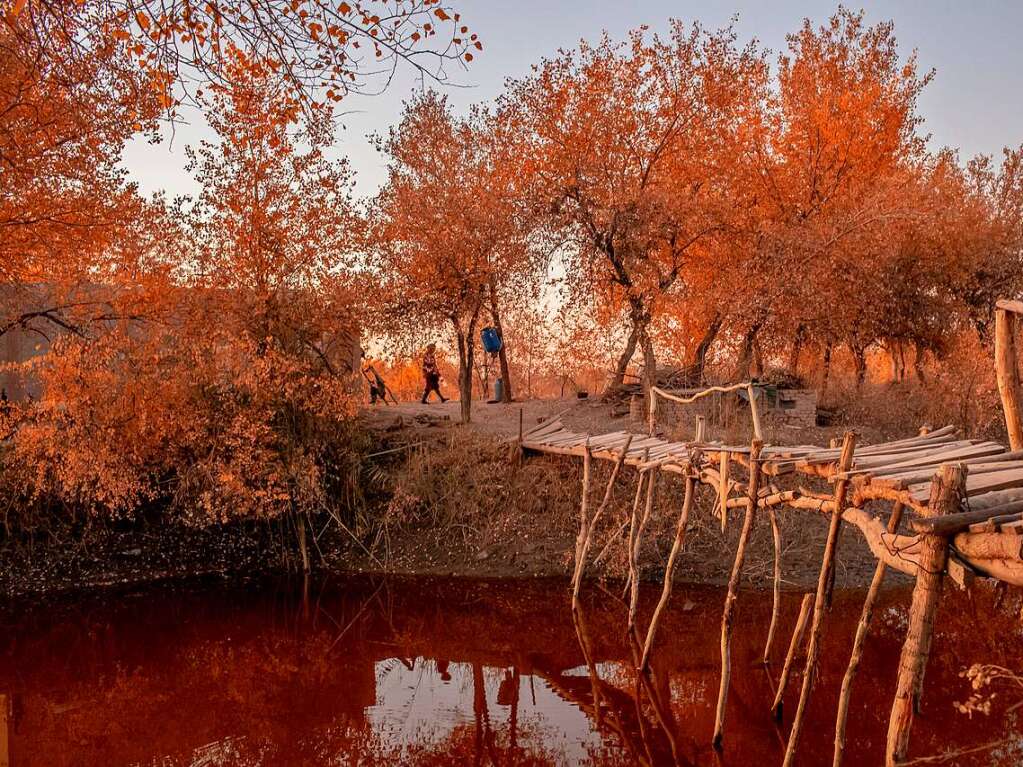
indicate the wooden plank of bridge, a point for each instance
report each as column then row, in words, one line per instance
column 982, row 483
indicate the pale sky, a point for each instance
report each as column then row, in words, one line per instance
column 975, row 102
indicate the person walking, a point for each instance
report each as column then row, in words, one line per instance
column 431, row 375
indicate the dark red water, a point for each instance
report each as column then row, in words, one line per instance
column 368, row 672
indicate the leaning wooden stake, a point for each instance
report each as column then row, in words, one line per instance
column 728, row 616
column 861, row 635
column 790, row 656
column 947, row 490
column 776, row 591
column 583, row 523
column 669, row 570
column 723, row 489
column 587, row 526
column 634, row 520
column 637, row 544
column 819, row 603
column 1007, row 372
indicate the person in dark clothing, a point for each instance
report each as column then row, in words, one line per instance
column 431, row 375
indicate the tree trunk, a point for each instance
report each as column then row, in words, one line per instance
column 649, row 361
column 758, row 360
column 860, row 359
column 466, row 354
column 796, row 349
column 618, row 378
column 703, row 348
column 746, row 355
column 825, row 371
column 918, row 364
column 495, row 316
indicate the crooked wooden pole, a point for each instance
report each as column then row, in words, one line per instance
column 790, row 656
column 728, row 615
column 1007, row 370
column 725, row 463
column 947, row 491
column 776, row 590
column 820, row 600
column 861, row 636
column 588, row 525
column 637, row 544
column 634, row 520
column 583, row 523
column 669, row 570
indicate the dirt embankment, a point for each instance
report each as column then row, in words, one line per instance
column 459, row 506
column 446, row 499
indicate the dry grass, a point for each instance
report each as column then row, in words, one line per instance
column 457, row 504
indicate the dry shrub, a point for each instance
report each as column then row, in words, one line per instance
column 460, row 487
column 958, row 389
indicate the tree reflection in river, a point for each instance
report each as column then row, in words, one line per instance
column 432, row 672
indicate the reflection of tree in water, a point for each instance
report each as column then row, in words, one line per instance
column 226, row 678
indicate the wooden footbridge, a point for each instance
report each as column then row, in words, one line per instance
column 930, row 505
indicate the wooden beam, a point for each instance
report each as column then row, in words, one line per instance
column 1007, row 373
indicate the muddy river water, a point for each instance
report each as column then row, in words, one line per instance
column 374, row 671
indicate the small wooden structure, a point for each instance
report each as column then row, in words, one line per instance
column 938, row 505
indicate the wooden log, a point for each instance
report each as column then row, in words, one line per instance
column 866, row 616
column 978, row 546
column 790, row 656
column 669, row 569
column 950, row 524
column 728, row 615
column 1007, row 373
column 946, row 496
column 776, row 589
column 768, row 500
column 819, row 604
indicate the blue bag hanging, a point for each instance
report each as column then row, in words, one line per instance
column 491, row 340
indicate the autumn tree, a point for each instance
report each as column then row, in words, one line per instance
column 628, row 147
column 447, row 232
column 843, row 128
column 234, row 402
column 64, row 203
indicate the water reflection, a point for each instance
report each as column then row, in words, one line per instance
column 374, row 672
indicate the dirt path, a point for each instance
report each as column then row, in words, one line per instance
column 501, row 420
column 592, row 416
